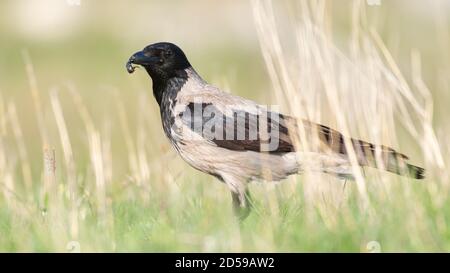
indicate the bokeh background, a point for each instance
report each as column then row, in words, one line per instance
column 87, row 42
column 151, row 200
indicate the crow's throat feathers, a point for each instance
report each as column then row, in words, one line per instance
column 169, row 87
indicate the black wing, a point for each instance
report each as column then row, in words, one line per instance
column 241, row 131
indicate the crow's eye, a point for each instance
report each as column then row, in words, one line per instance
column 168, row 52
column 161, row 61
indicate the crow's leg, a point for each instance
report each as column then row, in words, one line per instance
column 241, row 204
column 239, row 194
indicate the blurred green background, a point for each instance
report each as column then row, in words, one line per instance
column 86, row 43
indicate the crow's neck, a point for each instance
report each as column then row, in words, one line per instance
column 168, row 86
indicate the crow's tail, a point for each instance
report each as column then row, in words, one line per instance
column 382, row 157
column 416, row 172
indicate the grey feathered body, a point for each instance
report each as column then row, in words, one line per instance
column 233, row 167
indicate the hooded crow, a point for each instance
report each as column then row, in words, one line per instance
column 237, row 140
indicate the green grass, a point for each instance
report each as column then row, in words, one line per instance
column 118, row 184
column 196, row 221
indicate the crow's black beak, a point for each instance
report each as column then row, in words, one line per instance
column 141, row 59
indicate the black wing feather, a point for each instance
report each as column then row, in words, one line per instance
column 240, row 136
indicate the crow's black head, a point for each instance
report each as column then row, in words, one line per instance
column 161, row 60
